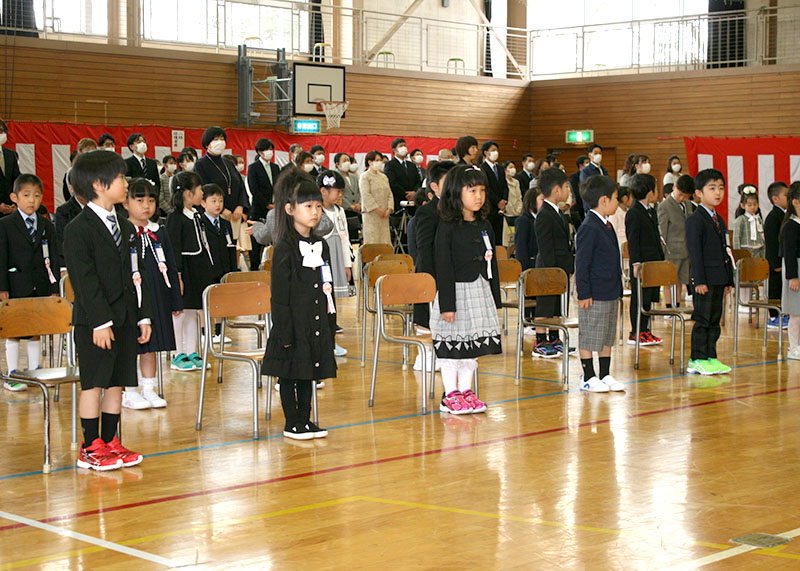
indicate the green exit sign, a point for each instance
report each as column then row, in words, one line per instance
column 580, row 137
column 306, row 126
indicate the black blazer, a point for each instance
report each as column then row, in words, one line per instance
column 578, row 210
column 553, row 239
column 709, row 261
column 790, row 248
column 150, row 172
column 101, row 273
column 403, row 177
column 426, row 222
column 598, row 274
column 64, row 215
column 22, row 267
column 222, row 172
column 9, row 175
column 497, row 189
column 261, row 189
column 772, row 231
column 524, row 177
column 644, row 239
column 222, row 245
column 591, row 170
column 525, row 246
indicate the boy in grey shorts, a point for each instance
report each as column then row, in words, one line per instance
column 672, row 215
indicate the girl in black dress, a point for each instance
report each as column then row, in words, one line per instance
column 158, row 268
column 300, row 347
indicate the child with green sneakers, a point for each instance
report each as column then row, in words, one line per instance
column 711, row 266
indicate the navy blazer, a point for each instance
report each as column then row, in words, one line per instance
column 525, row 245
column 8, row 175
column 23, row 272
column 403, row 177
column 644, row 238
column 261, row 189
column 150, row 172
column 553, row 239
column 709, row 259
column 591, row 170
column 772, row 231
column 598, row 273
column 497, row 189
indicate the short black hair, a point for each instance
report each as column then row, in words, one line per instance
column 622, row 192
column 397, row 142
column 529, row 200
column 294, row 146
column 212, row 189
column 212, row 133
column 705, row 176
column 775, row 189
column 666, row 190
column 27, row 178
column 509, row 163
column 462, row 176
column 133, row 136
column 3, row 127
column 551, row 178
column 184, row 156
column 264, row 145
column 179, row 184
column 414, row 152
column 641, row 185
column 595, row 188
column 141, row 188
column 166, row 159
column 294, row 186
column 527, row 156
column 592, row 147
column 105, row 137
column 338, row 156
column 488, row 145
column 463, row 144
column 317, row 148
column 191, row 150
column 372, row 156
column 580, row 160
column 330, row 179
column 438, row 169
column 98, row 166
column 685, row 184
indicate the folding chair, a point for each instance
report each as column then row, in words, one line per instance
column 544, row 281
column 501, row 252
column 660, row 274
column 404, row 257
column 223, row 301
column 392, row 290
column 740, row 254
column 755, row 271
column 366, row 253
column 260, row 326
column 31, row 316
column 266, row 263
column 509, row 272
column 372, row 272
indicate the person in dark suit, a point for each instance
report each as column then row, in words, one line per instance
column 555, row 251
column 418, row 157
column 777, row 193
column 711, row 271
column 27, row 262
column 403, row 176
column 644, row 245
column 577, row 210
column 111, row 313
column 525, row 176
column 9, row 171
column 497, row 191
column 318, row 152
column 64, row 215
column 594, row 167
column 140, row 166
column 213, row 168
column 261, row 177
column 598, row 281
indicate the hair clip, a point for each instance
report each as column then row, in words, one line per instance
column 328, row 180
column 749, row 189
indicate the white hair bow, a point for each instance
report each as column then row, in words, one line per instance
column 328, row 180
column 312, row 254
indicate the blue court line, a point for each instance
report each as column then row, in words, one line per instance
column 382, row 420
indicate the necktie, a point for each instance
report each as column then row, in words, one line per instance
column 216, row 225
column 269, row 173
column 608, row 224
column 144, row 164
column 683, row 207
column 496, row 172
column 115, row 233
column 716, row 219
column 31, row 228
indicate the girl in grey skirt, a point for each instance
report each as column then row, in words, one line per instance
column 464, row 322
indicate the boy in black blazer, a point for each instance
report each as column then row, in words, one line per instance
column 64, row 215
column 711, row 271
column 138, row 165
column 555, row 251
column 218, row 232
column 112, row 305
column 778, row 192
column 497, row 190
column 644, row 245
column 27, row 262
column 599, row 283
column 261, row 177
column 402, row 173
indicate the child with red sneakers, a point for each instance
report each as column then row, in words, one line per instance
column 463, row 319
column 112, row 305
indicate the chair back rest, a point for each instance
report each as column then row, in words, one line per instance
column 404, row 257
column 509, row 270
column 270, row 251
column 65, row 287
column 377, row 269
column 243, row 277
column 752, row 269
column 544, row 281
column 31, row 316
column 740, row 254
column 625, row 254
column 501, row 252
column 403, row 289
column 266, row 266
column 654, row 274
column 369, row 252
column 236, row 299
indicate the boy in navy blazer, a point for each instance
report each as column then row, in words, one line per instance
column 28, row 262
column 112, row 305
column 599, row 283
column 711, row 271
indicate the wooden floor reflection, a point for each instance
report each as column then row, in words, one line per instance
column 662, row 476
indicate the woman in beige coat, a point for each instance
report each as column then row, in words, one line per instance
column 377, row 202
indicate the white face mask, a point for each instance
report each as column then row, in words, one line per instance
column 529, row 166
column 171, row 168
column 597, row 159
column 188, row 167
column 402, row 151
column 3, row 139
column 319, row 159
column 344, row 166
column 645, row 168
column 676, row 167
column 216, row 147
column 353, row 167
column 378, row 166
column 141, row 148
column 267, row 155
column 493, row 156
column 308, row 167
column 239, row 167
column 418, row 159
column 512, row 171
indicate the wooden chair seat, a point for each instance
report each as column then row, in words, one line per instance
column 50, row 377
column 556, row 321
column 765, row 302
column 246, row 353
column 423, row 338
column 672, row 311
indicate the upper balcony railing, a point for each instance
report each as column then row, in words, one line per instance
column 407, row 42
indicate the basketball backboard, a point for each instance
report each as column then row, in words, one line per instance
column 313, row 82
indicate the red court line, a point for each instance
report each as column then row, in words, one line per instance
column 386, row 460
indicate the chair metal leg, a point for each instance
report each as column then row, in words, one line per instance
column 160, row 375
column 766, row 319
column 199, row 425
column 432, row 366
column 268, row 414
column 52, row 355
column 565, row 358
column 638, row 332
column 406, row 332
column 61, row 341
column 46, row 405
column 374, row 370
column 672, row 342
column 221, row 349
column 57, row 393
column 256, row 374
column 780, row 334
column 314, row 402
column 736, row 323
column 520, row 328
column 683, row 344
column 475, row 382
column 363, row 324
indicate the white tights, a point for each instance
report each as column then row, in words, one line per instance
column 457, row 374
column 185, row 326
column 12, row 354
column 794, row 331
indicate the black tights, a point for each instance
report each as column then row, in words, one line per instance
column 296, row 401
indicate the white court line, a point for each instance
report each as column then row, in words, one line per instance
column 93, row 540
column 733, row 552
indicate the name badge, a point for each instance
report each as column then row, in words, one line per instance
column 46, row 255
column 160, row 254
column 228, row 239
column 327, row 275
column 136, row 276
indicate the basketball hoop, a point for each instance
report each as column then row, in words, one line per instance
column 333, row 111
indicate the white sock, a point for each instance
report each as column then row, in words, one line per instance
column 12, row 354
column 131, row 389
column 189, row 331
column 148, row 383
column 34, row 353
column 449, row 375
column 466, row 370
column 177, row 327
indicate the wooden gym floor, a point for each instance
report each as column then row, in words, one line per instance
column 662, row 476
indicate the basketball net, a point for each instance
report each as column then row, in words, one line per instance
column 333, row 111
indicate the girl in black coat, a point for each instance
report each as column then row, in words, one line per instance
column 300, row 347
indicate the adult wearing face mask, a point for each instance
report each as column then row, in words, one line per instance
column 9, row 171
column 140, row 166
column 525, row 175
column 318, row 152
column 170, row 168
column 497, row 190
column 417, row 157
column 594, row 167
column 402, row 173
column 377, row 201
column 351, row 195
column 674, row 169
column 261, row 176
column 577, row 213
column 107, row 143
column 213, row 168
